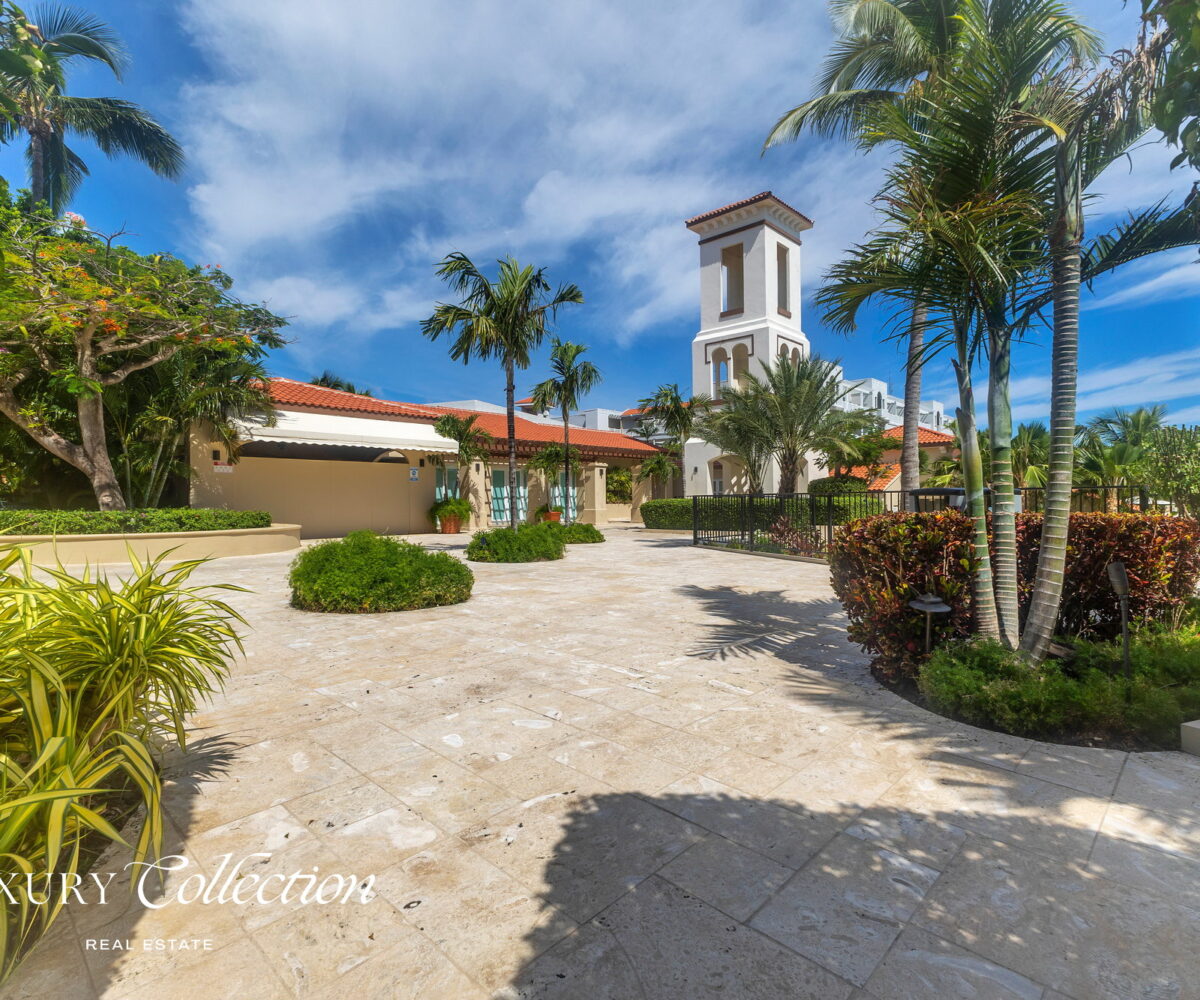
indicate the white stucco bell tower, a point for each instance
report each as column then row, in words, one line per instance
column 749, row 307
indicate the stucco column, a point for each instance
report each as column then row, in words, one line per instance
column 479, row 491
column 595, row 503
column 642, row 491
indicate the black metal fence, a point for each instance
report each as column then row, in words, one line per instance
column 803, row 524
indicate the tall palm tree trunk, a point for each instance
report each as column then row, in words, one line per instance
column 37, row 168
column 1066, row 238
column 1004, row 520
column 509, row 393
column 982, row 595
column 910, row 451
column 568, row 506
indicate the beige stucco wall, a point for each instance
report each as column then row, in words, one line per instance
column 326, row 498
column 73, row 550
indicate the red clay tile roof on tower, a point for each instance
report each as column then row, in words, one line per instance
column 924, row 435
column 754, row 199
column 286, row 391
column 527, row 399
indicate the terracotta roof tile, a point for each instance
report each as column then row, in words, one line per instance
column 286, row 391
column 754, row 199
column 530, row 433
column 924, row 435
column 885, row 475
column 534, row 433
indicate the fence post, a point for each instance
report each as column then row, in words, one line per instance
column 742, row 519
column 696, row 520
column 828, row 521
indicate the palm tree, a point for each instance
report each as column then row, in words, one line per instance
column 474, row 444
column 47, row 115
column 506, row 319
column 572, row 380
column 1030, row 451
column 737, row 430
column 676, row 416
column 795, row 406
column 330, row 380
column 1133, row 427
column 659, row 468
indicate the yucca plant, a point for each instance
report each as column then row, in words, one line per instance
column 92, row 674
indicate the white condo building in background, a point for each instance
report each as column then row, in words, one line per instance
column 750, row 295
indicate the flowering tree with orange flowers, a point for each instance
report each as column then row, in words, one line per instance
column 80, row 314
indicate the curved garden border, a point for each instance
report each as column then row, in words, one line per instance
column 49, row 550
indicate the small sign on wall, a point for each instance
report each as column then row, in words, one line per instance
column 414, row 475
column 222, row 467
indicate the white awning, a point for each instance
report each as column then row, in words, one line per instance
column 358, row 432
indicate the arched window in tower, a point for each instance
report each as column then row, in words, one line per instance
column 741, row 364
column 782, row 281
column 732, row 280
column 720, row 372
column 796, row 356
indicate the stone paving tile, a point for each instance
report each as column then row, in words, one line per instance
column 507, row 773
column 615, row 841
column 846, row 906
column 663, row 943
column 443, row 792
column 1087, row 769
column 922, row 965
column 1054, row 922
column 732, row 878
column 483, row 919
column 1000, row 803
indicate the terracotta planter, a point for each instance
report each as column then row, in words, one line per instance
column 552, row 515
column 450, row 525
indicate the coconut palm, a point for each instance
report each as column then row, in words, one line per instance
column 506, row 319
column 1133, row 427
column 659, row 469
column 47, row 115
column 676, row 415
column 572, row 380
column 331, row 380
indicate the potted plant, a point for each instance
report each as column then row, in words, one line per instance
column 548, row 513
column 449, row 514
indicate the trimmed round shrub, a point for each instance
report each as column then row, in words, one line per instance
column 525, row 543
column 576, row 532
column 365, row 573
column 126, row 522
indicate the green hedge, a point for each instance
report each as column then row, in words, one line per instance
column 733, row 512
column 1085, row 698
column 576, row 532
column 526, row 543
column 837, row 484
column 879, row 565
column 667, row 513
column 365, row 572
column 124, row 522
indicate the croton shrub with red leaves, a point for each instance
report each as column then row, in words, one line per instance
column 881, row 563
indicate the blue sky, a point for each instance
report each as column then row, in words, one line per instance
column 337, row 151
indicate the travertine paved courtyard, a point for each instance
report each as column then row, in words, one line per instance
column 646, row 771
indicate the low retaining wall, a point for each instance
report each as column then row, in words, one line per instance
column 49, row 550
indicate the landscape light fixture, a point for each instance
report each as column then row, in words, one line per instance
column 1120, row 585
column 930, row 605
